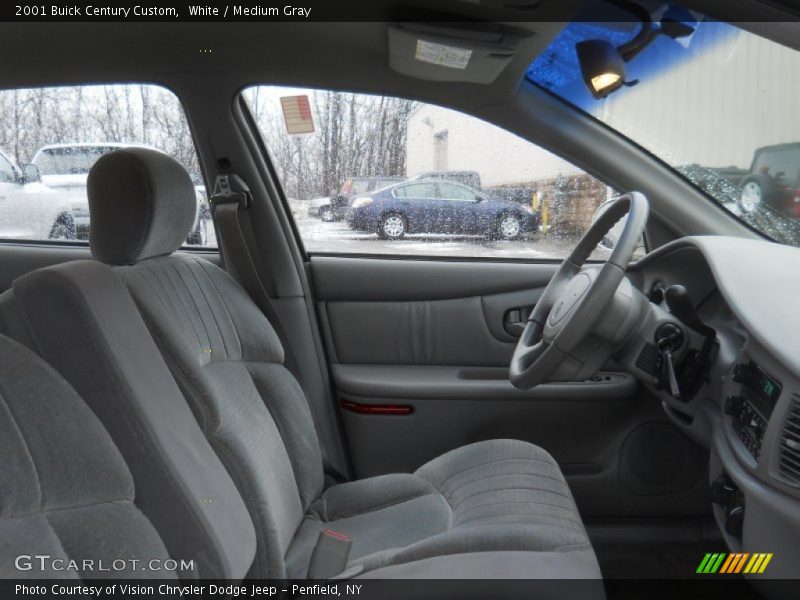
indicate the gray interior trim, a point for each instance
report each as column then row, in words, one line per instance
column 460, row 383
column 343, row 278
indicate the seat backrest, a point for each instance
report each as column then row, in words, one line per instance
column 65, row 492
column 82, row 321
column 221, row 349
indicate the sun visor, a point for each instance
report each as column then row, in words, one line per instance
column 453, row 51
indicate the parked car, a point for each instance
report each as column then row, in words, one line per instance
column 28, row 208
column 470, row 178
column 59, row 196
column 435, row 206
column 773, row 181
column 333, row 208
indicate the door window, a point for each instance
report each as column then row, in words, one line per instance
column 7, row 174
column 450, row 191
column 417, row 190
column 62, row 132
column 452, row 156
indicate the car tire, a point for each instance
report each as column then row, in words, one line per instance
column 199, row 237
column 755, row 192
column 509, row 227
column 64, row 228
column 326, row 214
column 393, row 226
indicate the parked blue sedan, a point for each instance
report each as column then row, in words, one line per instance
column 437, row 206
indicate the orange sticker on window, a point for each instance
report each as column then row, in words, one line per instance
column 297, row 114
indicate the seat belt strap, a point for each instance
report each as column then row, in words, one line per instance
column 230, row 204
column 235, row 238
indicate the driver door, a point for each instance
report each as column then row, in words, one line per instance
column 419, row 331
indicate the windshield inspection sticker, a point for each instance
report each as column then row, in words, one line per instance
column 297, row 115
column 445, row 56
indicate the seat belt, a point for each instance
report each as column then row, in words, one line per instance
column 230, row 205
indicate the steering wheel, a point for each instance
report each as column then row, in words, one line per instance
column 583, row 314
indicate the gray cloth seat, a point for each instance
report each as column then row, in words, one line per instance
column 473, row 511
column 498, row 495
column 79, row 317
column 65, row 491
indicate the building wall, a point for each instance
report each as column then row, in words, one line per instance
column 500, row 157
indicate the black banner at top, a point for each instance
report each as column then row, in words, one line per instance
column 376, row 10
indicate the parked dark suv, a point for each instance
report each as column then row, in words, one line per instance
column 332, row 209
column 437, row 206
column 773, row 181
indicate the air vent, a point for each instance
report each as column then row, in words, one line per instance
column 790, row 444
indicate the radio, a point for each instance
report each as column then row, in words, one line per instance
column 751, row 409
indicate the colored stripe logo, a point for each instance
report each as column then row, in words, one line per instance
column 733, row 563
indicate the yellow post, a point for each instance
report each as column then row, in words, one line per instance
column 545, row 217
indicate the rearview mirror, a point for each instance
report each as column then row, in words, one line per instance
column 30, row 174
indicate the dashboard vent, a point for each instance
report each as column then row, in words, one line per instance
column 790, row 444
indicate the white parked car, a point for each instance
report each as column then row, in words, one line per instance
column 47, row 199
column 29, row 209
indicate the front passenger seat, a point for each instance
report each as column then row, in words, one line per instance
column 498, row 508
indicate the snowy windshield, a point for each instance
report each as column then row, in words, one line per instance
column 69, row 161
column 718, row 105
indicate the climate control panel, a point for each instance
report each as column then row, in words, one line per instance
column 752, row 407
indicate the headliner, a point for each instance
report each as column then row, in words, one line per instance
column 352, row 56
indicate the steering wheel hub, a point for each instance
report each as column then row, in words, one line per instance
column 569, row 298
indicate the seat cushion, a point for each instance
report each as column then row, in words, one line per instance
column 498, row 495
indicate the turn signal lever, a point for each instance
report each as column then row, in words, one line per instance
column 695, row 366
column 680, row 305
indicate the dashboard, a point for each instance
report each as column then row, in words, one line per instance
column 745, row 408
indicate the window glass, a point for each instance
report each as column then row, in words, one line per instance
column 450, row 191
column 390, row 176
column 417, row 190
column 59, row 133
column 717, row 103
column 7, row 174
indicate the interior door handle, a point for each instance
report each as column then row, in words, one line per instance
column 515, row 320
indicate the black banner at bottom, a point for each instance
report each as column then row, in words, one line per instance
column 366, row 589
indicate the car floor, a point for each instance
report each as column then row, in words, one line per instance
column 634, row 553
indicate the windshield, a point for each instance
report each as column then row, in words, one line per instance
column 719, row 105
column 69, row 161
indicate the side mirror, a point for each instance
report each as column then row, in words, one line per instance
column 30, row 174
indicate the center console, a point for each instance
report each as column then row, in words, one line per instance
column 751, row 408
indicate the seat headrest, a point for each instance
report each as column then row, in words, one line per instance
column 141, row 204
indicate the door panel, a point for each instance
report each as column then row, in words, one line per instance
column 427, row 343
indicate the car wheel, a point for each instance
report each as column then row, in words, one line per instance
column 393, row 227
column 756, row 191
column 64, row 228
column 199, row 237
column 326, row 214
column 508, row 227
